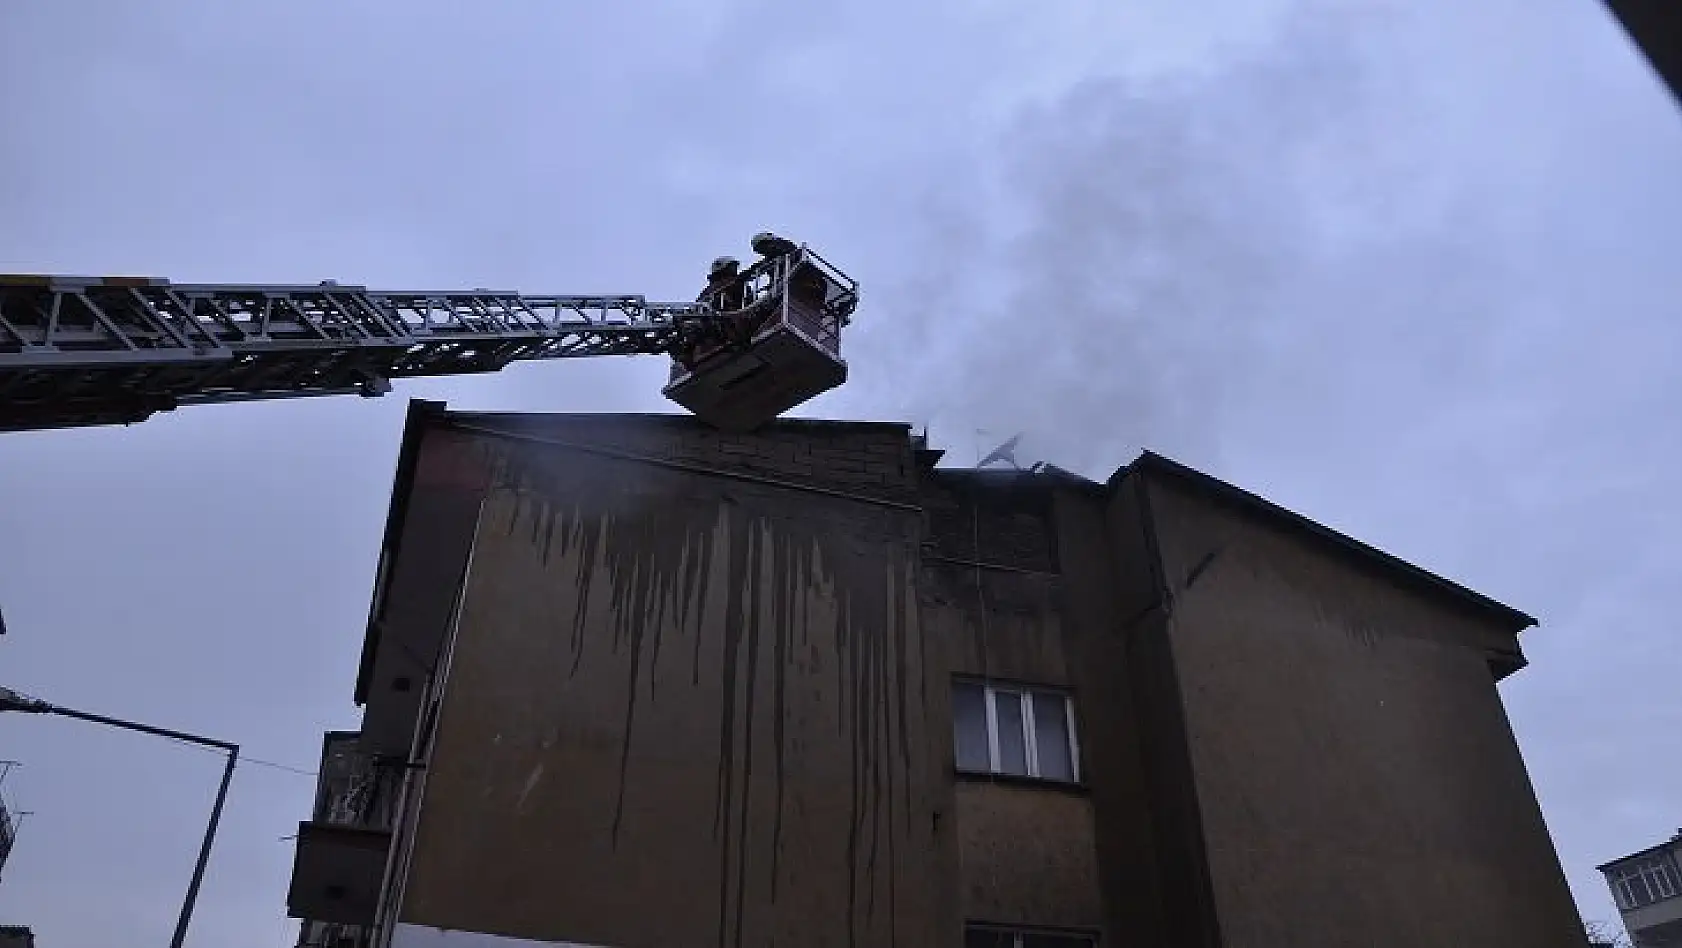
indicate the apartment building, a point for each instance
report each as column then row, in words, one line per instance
column 631, row 682
column 1647, row 887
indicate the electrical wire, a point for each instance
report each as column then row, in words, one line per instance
column 244, row 759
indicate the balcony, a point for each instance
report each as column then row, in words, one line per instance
column 356, row 789
column 330, row 935
column 1648, row 890
column 341, row 853
column 336, row 873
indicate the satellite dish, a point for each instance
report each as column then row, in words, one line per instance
column 1003, row 453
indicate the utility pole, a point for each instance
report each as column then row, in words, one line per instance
column 13, row 701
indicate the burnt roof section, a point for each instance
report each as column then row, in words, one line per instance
column 1040, row 475
column 422, row 413
column 1151, row 463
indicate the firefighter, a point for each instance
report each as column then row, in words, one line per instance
column 724, row 291
column 805, row 286
column 768, row 245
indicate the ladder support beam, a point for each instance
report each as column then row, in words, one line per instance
column 82, row 350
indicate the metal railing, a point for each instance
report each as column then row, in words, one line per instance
column 366, row 797
column 802, row 291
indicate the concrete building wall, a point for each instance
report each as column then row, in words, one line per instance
column 1356, row 775
column 1149, row 836
column 418, row 584
column 698, row 691
column 1665, row 912
column 707, row 692
column 992, row 607
column 1107, row 600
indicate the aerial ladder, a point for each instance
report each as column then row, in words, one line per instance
column 77, row 351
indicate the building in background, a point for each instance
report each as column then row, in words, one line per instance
column 16, row 936
column 1656, row 27
column 632, row 682
column 1648, row 889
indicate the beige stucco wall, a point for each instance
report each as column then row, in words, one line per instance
column 680, row 712
column 1357, row 779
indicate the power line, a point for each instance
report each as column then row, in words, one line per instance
column 246, row 759
column 268, row 763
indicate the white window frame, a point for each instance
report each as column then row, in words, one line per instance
column 1658, row 876
column 991, row 694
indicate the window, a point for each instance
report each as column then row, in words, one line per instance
column 1644, row 882
column 987, row 936
column 1027, row 732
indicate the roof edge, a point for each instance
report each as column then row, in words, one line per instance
column 1151, row 462
column 675, row 418
column 1639, row 853
column 421, row 412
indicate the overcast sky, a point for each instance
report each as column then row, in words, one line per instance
column 1407, row 268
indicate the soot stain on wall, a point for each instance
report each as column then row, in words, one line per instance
column 656, row 538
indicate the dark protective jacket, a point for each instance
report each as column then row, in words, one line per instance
column 725, row 292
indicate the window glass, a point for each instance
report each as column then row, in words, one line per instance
column 1051, row 737
column 1013, row 748
column 1636, row 888
column 1645, row 882
column 1664, row 881
column 969, row 720
column 988, row 938
column 1017, row 731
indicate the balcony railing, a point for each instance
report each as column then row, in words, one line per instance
column 341, row 852
column 333, row 935
column 361, row 792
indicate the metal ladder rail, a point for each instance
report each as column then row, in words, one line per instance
column 73, row 348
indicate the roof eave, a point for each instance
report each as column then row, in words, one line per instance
column 421, row 413
column 1151, row 462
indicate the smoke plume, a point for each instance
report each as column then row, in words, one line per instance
column 1172, row 243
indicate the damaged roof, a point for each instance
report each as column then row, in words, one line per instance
column 423, row 413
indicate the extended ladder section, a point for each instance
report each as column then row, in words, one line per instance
column 88, row 351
